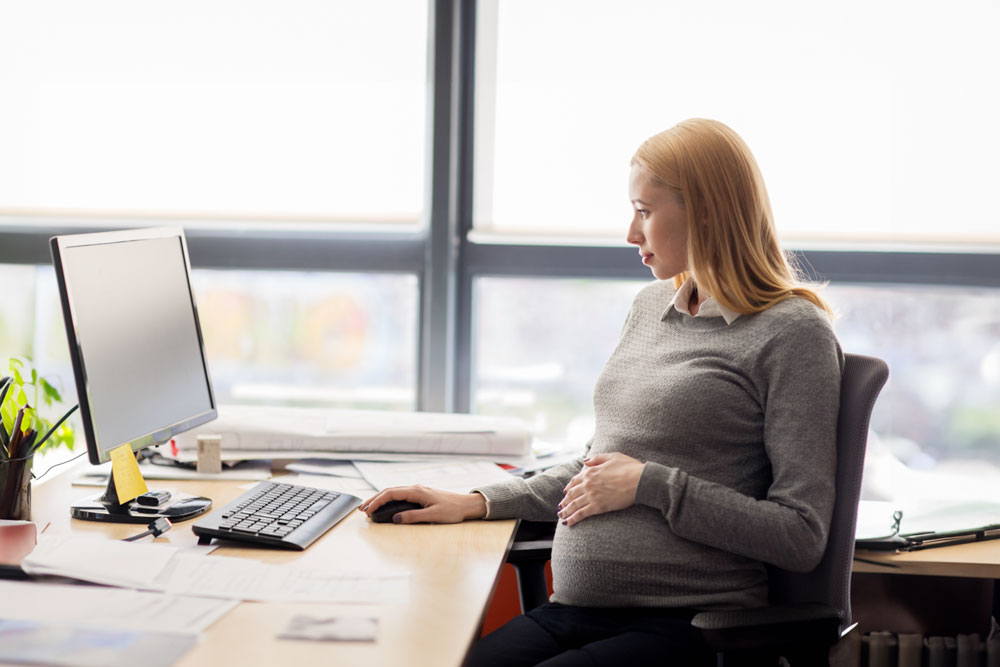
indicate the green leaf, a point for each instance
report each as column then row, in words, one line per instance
column 44, row 392
column 8, row 412
column 28, row 421
column 51, row 393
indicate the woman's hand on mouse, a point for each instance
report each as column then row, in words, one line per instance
column 606, row 483
column 438, row 506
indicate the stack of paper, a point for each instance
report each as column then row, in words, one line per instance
column 292, row 431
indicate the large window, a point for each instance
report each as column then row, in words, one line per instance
column 402, row 204
column 214, row 112
column 871, row 120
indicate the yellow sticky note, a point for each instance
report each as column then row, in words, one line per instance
column 128, row 480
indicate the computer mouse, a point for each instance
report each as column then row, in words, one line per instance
column 385, row 513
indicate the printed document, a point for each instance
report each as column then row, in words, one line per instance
column 113, row 608
column 159, row 567
column 458, row 476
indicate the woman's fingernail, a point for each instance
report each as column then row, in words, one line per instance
column 397, row 519
column 564, row 523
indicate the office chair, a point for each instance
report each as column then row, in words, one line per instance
column 808, row 612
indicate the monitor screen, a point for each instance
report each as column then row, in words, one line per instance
column 134, row 337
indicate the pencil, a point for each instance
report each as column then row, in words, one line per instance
column 15, row 434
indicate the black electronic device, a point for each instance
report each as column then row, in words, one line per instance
column 386, row 512
column 275, row 514
column 138, row 356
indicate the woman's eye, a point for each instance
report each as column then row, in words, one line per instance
column 642, row 213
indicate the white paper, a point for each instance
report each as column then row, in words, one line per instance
column 114, row 608
column 102, row 561
column 335, row 468
column 98, row 475
column 244, row 579
column 271, row 428
column 355, row 486
column 459, row 476
column 875, row 517
column 189, row 456
column 336, row 629
column 156, row 567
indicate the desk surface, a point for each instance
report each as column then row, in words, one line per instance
column 973, row 559
column 453, row 571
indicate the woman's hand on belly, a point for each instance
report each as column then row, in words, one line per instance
column 606, row 483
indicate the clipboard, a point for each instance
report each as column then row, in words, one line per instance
column 950, row 532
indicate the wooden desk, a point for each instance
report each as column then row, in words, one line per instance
column 980, row 560
column 939, row 591
column 453, row 572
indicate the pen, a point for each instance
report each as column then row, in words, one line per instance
column 4, row 386
column 15, row 434
column 26, row 444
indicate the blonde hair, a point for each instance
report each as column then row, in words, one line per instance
column 732, row 248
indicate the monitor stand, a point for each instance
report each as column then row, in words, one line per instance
column 107, row 508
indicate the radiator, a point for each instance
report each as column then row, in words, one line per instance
column 886, row 649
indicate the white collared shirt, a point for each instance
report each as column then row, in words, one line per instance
column 708, row 308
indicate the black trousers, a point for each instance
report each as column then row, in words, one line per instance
column 556, row 635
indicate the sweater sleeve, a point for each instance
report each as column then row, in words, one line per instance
column 800, row 371
column 532, row 499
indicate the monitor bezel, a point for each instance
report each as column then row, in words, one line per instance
column 60, row 243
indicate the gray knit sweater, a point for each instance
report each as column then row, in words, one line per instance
column 736, row 425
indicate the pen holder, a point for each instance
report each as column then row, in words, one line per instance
column 15, row 490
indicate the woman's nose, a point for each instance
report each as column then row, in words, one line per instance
column 634, row 233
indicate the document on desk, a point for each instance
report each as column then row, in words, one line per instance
column 458, row 476
column 224, row 577
column 100, row 606
column 333, row 468
column 245, row 470
column 101, row 561
column 189, row 456
column 356, row 486
column 162, row 568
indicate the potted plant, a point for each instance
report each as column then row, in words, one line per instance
column 24, row 432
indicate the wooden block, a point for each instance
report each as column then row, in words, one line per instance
column 209, row 454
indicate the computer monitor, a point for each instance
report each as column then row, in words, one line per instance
column 136, row 347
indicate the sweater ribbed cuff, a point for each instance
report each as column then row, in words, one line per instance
column 501, row 498
column 654, row 485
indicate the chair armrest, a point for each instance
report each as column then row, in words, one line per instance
column 768, row 626
column 531, row 549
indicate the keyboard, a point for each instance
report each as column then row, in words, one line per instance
column 273, row 514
